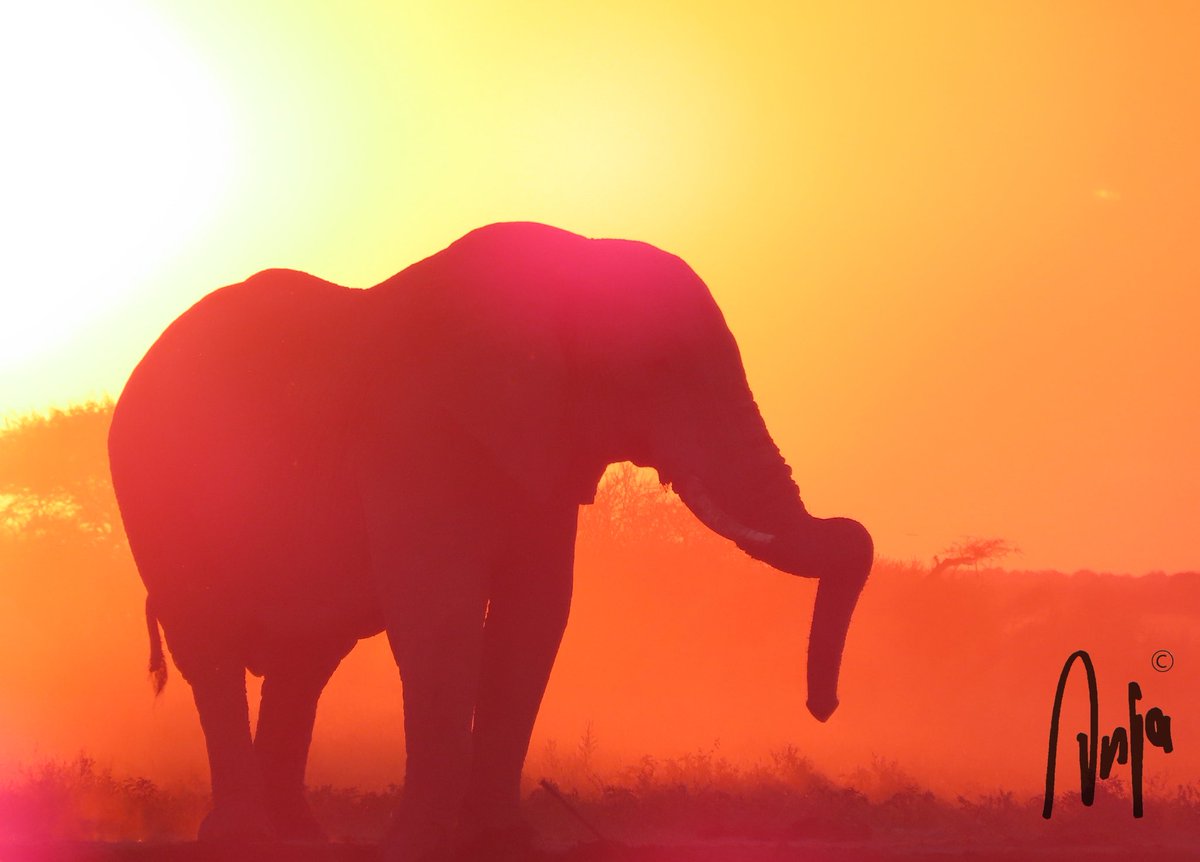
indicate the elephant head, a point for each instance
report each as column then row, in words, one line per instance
column 587, row 352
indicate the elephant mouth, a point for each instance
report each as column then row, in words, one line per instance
column 710, row 513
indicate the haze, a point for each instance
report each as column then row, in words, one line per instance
column 981, row 215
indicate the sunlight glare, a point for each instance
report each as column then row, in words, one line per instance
column 117, row 150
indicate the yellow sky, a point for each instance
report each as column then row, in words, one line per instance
column 956, row 241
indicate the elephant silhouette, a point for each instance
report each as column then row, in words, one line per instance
column 300, row 465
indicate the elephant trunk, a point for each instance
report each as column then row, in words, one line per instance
column 843, row 553
column 745, row 492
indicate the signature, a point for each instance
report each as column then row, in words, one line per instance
column 1124, row 746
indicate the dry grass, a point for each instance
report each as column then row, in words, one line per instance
column 698, row 797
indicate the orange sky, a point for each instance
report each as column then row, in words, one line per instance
column 956, row 242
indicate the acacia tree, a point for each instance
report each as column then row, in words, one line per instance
column 972, row 552
column 632, row 505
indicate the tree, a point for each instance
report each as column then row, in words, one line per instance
column 54, row 475
column 972, row 551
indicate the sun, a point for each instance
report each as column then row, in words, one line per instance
column 117, row 148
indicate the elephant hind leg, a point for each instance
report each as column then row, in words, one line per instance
column 219, row 689
column 290, row 691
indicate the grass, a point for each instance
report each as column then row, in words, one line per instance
column 696, row 797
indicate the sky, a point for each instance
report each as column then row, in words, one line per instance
column 956, row 242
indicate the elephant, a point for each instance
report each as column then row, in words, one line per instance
column 300, row 465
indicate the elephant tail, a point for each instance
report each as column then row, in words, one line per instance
column 158, row 663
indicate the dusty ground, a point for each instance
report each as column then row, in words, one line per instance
column 712, row 851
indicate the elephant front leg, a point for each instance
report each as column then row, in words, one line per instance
column 435, row 628
column 527, row 615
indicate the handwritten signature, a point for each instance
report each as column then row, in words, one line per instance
column 1124, row 746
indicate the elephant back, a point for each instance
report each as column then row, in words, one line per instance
column 242, row 403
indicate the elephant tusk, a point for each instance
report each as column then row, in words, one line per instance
column 705, row 508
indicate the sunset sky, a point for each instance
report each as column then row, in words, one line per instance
column 957, row 242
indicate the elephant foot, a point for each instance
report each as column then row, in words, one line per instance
column 233, row 823
column 514, row 842
column 293, row 820
column 412, row 840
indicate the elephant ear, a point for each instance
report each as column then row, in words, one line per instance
column 487, row 366
column 511, row 394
